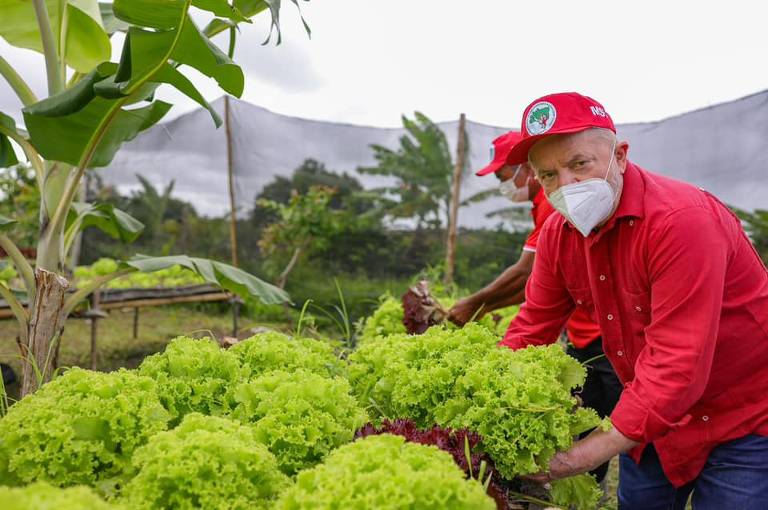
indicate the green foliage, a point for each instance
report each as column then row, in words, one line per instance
column 170, row 225
column 7, row 272
column 519, row 402
column 109, row 219
column 386, row 473
column 270, row 351
column 304, row 226
column 104, row 266
column 423, row 168
column 205, row 462
column 387, row 319
column 193, row 375
column 299, row 416
column 309, row 174
column 579, row 492
column 43, row 496
column 153, row 208
column 20, row 200
column 86, row 43
column 80, row 428
column 756, row 225
column 223, row 275
column 173, row 276
column 403, row 376
column 91, row 112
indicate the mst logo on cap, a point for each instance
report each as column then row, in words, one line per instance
column 541, row 117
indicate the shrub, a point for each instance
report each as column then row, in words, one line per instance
column 206, row 462
column 275, row 351
column 385, row 472
column 520, row 403
column 80, row 428
column 387, row 319
column 410, row 376
column 193, row 376
column 461, row 445
column 300, row 416
column 42, row 496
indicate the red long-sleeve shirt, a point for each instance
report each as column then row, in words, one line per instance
column 681, row 297
column 581, row 329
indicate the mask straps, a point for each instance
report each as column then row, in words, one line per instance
column 613, row 153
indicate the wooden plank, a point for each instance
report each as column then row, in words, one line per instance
column 114, row 295
column 136, row 303
column 5, row 313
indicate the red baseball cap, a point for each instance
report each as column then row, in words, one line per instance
column 499, row 151
column 557, row 114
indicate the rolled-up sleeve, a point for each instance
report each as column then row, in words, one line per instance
column 547, row 306
column 687, row 263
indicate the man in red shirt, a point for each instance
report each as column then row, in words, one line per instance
column 602, row 388
column 681, row 297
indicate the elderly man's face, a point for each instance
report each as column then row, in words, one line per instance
column 560, row 160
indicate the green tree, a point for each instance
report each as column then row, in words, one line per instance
column 20, row 199
column 756, row 225
column 422, row 167
column 348, row 191
column 93, row 106
column 304, row 226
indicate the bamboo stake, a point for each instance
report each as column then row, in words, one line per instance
column 450, row 251
column 231, row 181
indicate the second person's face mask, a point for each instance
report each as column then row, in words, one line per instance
column 586, row 204
column 512, row 192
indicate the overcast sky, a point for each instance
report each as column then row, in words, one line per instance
column 370, row 61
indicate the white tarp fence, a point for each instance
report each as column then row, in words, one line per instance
column 721, row 149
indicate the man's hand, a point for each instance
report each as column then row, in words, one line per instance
column 585, row 455
column 465, row 310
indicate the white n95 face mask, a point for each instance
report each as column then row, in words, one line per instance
column 512, row 192
column 585, row 204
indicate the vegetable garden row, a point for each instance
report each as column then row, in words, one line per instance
column 441, row 420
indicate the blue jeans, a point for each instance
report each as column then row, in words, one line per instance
column 735, row 477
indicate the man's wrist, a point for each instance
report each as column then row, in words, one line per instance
column 587, row 454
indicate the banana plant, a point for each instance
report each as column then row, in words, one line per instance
column 93, row 106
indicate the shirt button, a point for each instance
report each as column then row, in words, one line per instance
column 619, row 353
column 602, row 277
column 610, row 317
column 631, row 222
column 578, row 301
column 705, row 418
column 638, row 309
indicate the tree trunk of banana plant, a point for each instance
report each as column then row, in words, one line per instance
column 46, row 323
